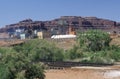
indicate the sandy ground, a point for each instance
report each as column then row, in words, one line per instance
column 84, row 73
column 4, row 43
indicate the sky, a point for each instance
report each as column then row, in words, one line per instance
column 13, row 11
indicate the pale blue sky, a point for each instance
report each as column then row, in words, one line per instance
column 13, row 11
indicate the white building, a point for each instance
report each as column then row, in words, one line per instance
column 62, row 36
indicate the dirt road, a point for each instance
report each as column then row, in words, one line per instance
column 84, row 73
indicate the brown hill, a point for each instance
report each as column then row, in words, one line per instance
column 65, row 25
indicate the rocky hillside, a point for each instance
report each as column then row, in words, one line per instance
column 61, row 25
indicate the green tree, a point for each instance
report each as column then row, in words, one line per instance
column 34, row 71
column 14, row 64
column 74, row 53
column 41, row 50
column 93, row 40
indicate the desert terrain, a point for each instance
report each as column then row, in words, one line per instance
column 112, row 72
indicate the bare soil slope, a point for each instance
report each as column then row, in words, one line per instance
column 84, row 73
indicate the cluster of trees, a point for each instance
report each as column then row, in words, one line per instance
column 93, row 46
column 40, row 50
column 24, row 61
column 14, row 65
column 94, row 40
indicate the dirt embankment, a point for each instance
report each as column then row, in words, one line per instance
column 5, row 43
column 84, row 73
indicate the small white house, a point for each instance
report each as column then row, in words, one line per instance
column 22, row 36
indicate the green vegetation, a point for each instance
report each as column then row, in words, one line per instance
column 14, row 65
column 94, row 47
column 93, row 40
column 25, row 61
column 40, row 50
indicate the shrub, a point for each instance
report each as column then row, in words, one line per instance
column 41, row 50
column 93, row 40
